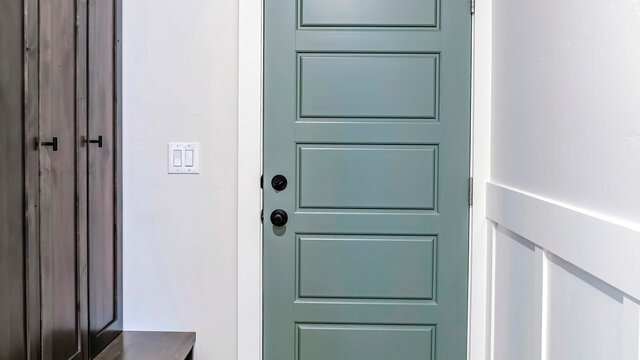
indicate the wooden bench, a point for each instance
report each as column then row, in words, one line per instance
column 150, row 345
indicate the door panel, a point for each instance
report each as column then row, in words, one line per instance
column 12, row 251
column 371, row 342
column 59, row 235
column 105, row 309
column 418, row 13
column 393, row 86
column 373, row 267
column 367, row 113
column 367, row 176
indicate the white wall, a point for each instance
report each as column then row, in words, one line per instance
column 564, row 187
column 180, row 84
column 566, row 101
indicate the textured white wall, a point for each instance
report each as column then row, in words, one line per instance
column 566, row 101
column 180, row 84
column 566, row 168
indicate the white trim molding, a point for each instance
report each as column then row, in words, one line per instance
column 479, row 325
column 606, row 248
column 249, row 172
column 557, row 256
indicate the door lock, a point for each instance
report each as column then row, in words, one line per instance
column 279, row 182
column 279, row 217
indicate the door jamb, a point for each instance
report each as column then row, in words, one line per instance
column 250, row 54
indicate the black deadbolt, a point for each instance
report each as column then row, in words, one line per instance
column 279, row 217
column 279, row 182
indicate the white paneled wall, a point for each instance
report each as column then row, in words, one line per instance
column 516, row 267
column 565, row 168
column 546, row 306
column 584, row 311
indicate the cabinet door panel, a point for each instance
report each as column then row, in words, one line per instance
column 12, row 254
column 62, row 258
column 105, row 288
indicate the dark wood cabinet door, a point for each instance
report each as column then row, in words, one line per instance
column 104, row 177
column 62, row 238
column 12, row 249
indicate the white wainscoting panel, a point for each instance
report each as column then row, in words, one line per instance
column 516, row 303
column 565, row 282
column 586, row 315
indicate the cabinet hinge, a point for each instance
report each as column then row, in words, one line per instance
column 261, row 181
column 262, row 216
column 472, row 6
column 471, row 191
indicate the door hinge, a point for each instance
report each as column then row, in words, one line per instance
column 261, row 181
column 262, row 216
column 472, row 6
column 471, row 191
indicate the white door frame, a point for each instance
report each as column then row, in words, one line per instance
column 250, row 168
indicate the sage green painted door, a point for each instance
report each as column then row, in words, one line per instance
column 367, row 115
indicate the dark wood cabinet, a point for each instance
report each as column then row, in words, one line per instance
column 61, row 178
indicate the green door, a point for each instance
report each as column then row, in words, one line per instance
column 367, row 115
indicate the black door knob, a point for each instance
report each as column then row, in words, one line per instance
column 279, row 217
column 279, row 182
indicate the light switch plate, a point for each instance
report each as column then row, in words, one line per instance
column 177, row 158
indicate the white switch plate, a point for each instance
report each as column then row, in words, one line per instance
column 176, row 158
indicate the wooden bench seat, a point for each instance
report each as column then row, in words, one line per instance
column 150, row 345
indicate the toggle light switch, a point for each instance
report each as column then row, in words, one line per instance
column 188, row 158
column 184, row 158
column 177, row 158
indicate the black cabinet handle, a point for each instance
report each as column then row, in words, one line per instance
column 53, row 143
column 99, row 141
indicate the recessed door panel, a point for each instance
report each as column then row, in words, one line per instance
column 366, row 267
column 104, row 196
column 364, row 342
column 101, row 171
column 382, row 13
column 392, row 86
column 367, row 176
